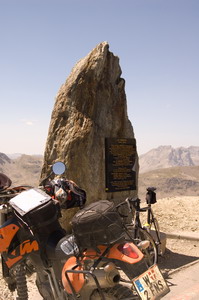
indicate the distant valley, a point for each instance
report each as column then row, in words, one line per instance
column 22, row 170
column 170, row 182
column 173, row 171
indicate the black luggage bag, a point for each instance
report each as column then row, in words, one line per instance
column 98, row 223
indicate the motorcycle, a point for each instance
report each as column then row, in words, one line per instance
column 96, row 264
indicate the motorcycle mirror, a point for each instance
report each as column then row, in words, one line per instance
column 59, row 168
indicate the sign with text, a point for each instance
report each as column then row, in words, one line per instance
column 120, row 159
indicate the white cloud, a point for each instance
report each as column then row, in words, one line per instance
column 28, row 122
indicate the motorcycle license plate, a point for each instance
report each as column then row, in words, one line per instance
column 151, row 285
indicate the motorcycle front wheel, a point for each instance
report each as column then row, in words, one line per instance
column 118, row 292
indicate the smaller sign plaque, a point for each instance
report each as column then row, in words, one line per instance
column 120, row 159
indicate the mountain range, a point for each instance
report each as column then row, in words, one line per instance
column 22, row 170
column 173, row 171
column 167, row 156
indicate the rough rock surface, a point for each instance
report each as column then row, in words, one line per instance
column 89, row 107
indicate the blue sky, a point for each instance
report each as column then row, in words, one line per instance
column 157, row 42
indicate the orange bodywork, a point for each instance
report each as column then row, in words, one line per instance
column 11, row 261
column 6, row 235
column 77, row 279
column 114, row 253
column 24, row 248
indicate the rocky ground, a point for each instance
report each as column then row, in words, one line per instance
column 176, row 214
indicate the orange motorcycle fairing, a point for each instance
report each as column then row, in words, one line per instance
column 22, row 248
column 7, row 232
column 21, row 252
column 117, row 252
column 77, row 280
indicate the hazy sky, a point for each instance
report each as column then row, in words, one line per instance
column 157, row 42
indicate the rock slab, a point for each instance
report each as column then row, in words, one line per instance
column 90, row 106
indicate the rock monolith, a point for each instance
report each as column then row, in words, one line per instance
column 90, row 106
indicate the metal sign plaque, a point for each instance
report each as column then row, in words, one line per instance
column 120, row 159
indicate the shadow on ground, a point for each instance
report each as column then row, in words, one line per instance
column 173, row 260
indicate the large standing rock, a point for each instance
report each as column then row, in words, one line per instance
column 89, row 107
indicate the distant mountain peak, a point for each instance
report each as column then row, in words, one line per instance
column 167, row 156
column 14, row 155
column 23, row 169
column 4, row 159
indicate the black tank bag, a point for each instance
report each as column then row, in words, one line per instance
column 98, row 223
column 37, row 211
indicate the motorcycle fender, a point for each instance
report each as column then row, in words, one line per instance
column 77, row 280
column 114, row 253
